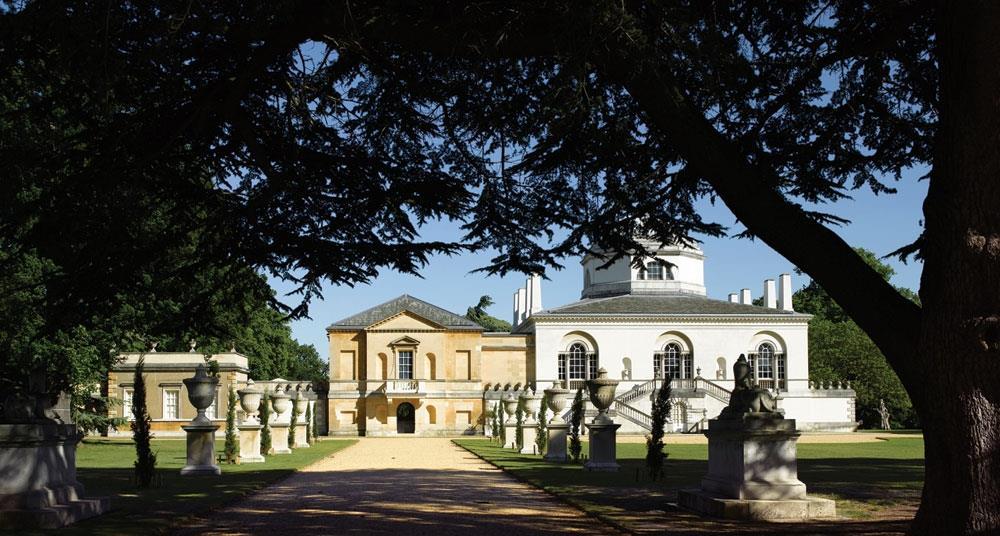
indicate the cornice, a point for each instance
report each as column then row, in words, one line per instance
column 600, row 318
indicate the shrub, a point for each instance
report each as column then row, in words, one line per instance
column 576, row 417
column 519, row 429
column 542, row 437
column 309, row 424
column 654, row 442
column 265, row 420
column 232, row 449
column 145, row 459
column 291, row 427
column 503, row 427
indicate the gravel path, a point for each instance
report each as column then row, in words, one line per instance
column 399, row 486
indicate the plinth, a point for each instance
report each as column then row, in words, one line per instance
column 250, row 443
column 301, row 441
column 528, row 435
column 38, row 488
column 201, row 450
column 510, row 431
column 603, row 454
column 555, row 446
column 279, row 438
column 752, row 472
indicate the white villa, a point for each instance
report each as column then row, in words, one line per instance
column 407, row 366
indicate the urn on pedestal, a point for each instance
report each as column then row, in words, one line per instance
column 301, row 401
column 532, row 403
column 555, row 446
column 510, row 425
column 603, row 430
column 250, row 428
column 202, row 390
column 281, row 403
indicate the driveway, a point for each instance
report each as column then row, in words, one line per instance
column 399, row 486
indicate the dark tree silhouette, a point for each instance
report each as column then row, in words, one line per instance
column 654, row 442
column 265, row 421
column 232, row 448
column 311, row 141
column 575, row 419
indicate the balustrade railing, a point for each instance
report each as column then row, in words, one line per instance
column 634, row 415
column 402, row 386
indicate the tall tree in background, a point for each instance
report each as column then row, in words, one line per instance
column 145, row 459
column 840, row 350
column 479, row 315
column 311, row 141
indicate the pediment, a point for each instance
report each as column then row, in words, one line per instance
column 405, row 320
column 405, row 341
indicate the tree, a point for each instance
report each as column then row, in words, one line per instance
column 519, row 428
column 550, row 129
column 576, row 417
column 541, row 431
column 309, row 424
column 839, row 350
column 497, row 422
column 503, row 427
column 654, row 441
column 292, row 425
column 232, row 448
column 478, row 315
column 145, row 458
column 265, row 421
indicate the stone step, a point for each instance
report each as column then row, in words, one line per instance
column 55, row 516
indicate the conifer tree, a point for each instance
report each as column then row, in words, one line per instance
column 654, row 442
column 519, row 430
column 542, row 437
column 309, row 424
column 503, row 426
column 145, row 459
column 265, row 421
column 496, row 421
column 576, row 417
column 292, row 425
column 232, row 449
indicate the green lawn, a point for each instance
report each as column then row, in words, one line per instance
column 865, row 478
column 105, row 468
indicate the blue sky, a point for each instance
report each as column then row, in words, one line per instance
column 879, row 223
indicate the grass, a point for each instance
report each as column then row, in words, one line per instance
column 104, row 467
column 867, row 479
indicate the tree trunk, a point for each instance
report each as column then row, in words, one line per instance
column 960, row 284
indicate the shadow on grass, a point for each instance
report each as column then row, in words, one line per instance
column 640, row 502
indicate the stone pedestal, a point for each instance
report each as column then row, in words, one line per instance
column 38, row 486
column 201, row 450
column 301, row 441
column 528, row 434
column 279, row 438
column 510, row 431
column 250, row 443
column 555, row 447
column 603, row 452
column 752, row 472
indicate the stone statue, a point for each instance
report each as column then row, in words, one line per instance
column 747, row 398
column 883, row 413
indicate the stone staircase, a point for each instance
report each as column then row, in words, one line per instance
column 624, row 404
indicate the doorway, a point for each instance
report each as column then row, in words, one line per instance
column 405, row 418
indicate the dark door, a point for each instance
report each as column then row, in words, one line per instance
column 405, row 422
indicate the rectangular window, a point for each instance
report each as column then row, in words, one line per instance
column 688, row 361
column 752, row 361
column 577, row 366
column 592, row 362
column 127, row 404
column 780, row 358
column 654, row 271
column 562, row 366
column 765, row 370
column 657, row 364
column 463, row 359
column 405, row 365
column 171, row 400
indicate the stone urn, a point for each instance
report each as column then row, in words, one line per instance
column 532, row 404
column 301, row 403
column 510, row 406
column 250, row 397
column 201, row 390
column 602, row 395
column 281, row 403
column 556, row 400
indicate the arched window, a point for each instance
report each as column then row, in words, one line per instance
column 765, row 361
column 672, row 362
column 576, row 363
column 654, row 270
column 768, row 367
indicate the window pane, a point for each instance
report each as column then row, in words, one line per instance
column 672, row 358
column 170, row 398
column 127, row 404
column 765, row 362
column 562, row 366
column 654, row 270
column 577, row 362
column 405, row 365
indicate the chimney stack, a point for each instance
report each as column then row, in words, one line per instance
column 535, row 291
column 770, row 297
column 734, row 298
column 517, row 310
column 745, row 297
column 785, row 292
column 522, row 304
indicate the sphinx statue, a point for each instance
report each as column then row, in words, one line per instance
column 747, row 398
